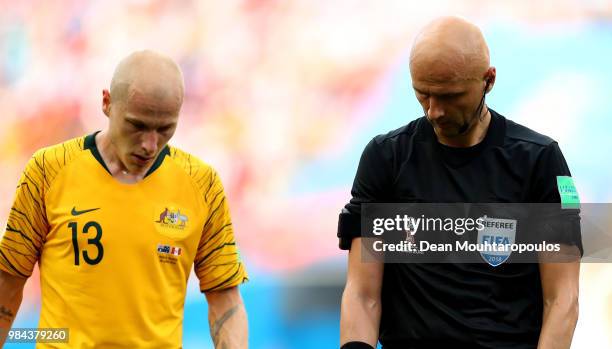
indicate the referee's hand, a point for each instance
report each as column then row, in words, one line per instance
column 356, row 345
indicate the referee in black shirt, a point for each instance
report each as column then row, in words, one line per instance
column 461, row 151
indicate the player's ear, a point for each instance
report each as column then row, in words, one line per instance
column 106, row 101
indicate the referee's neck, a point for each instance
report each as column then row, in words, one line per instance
column 475, row 134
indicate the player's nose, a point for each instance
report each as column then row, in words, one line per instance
column 149, row 142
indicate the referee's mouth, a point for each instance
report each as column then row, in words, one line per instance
column 444, row 125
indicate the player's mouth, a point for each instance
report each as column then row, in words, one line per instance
column 141, row 160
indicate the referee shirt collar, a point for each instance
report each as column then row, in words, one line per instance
column 494, row 137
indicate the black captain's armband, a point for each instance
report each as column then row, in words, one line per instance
column 356, row 345
column 349, row 227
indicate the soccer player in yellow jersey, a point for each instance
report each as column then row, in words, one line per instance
column 116, row 219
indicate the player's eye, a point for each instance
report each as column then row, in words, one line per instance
column 137, row 126
column 165, row 129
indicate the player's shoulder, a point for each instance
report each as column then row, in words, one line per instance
column 189, row 162
column 61, row 153
column 516, row 132
column 201, row 172
column 46, row 163
column 52, row 159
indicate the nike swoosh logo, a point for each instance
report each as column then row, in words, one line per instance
column 77, row 213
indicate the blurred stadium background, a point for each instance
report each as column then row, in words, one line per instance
column 282, row 96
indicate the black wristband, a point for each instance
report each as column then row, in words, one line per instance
column 356, row 345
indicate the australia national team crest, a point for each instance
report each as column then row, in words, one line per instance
column 497, row 231
column 172, row 218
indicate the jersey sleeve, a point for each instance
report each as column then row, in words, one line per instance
column 550, row 165
column 371, row 184
column 27, row 227
column 217, row 263
column 558, row 223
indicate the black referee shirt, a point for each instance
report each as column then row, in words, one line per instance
column 457, row 305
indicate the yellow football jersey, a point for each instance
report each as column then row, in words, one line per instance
column 114, row 258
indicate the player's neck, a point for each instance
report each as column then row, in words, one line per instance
column 115, row 166
column 475, row 134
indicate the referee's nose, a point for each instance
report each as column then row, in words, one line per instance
column 435, row 110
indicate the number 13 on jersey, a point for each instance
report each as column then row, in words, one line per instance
column 90, row 228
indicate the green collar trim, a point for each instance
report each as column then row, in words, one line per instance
column 90, row 144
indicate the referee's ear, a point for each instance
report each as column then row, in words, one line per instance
column 489, row 79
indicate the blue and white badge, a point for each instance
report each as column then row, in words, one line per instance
column 496, row 231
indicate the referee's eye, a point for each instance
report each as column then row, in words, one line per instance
column 421, row 96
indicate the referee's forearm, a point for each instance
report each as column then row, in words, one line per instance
column 359, row 318
column 559, row 321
